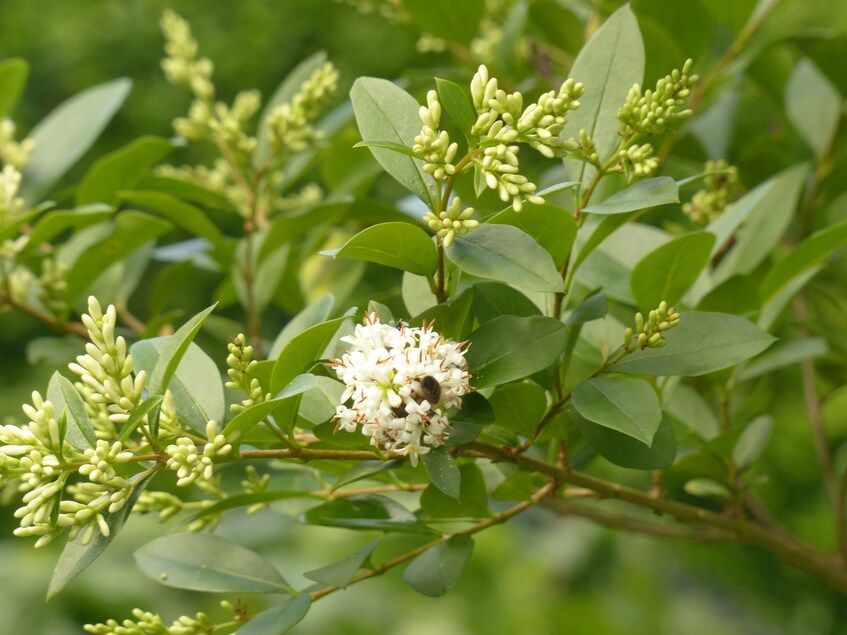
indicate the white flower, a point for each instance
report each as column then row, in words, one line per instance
column 401, row 380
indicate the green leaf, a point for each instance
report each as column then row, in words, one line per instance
column 493, row 299
column 121, row 170
column 594, row 307
column 365, row 511
column 706, row 488
column 608, row 65
column 752, row 441
column 509, row 348
column 173, row 349
column 505, row 253
column 783, row 355
column 303, row 351
column 289, row 87
column 689, row 408
column 364, row 469
column 468, row 423
column 150, row 405
column 550, row 225
column 813, row 105
column 701, row 343
column 340, row 573
column 457, row 104
column 646, row 194
column 201, row 562
column 443, row 471
column 62, row 394
column 197, row 387
column 626, row 451
column 312, row 315
column 387, row 145
column 280, row 618
column 518, row 486
column 386, row 112
column 417, row 294
column 604, row 229
column 55, row 222
column 291, row 227
column 453, row 319
column 245, row 420
column 454, row 21
column 13, row 75
column 66, row 133
column 76, row 556
column 129, row 232
column 472, row 502
column 766, row 212
column 815, row 249
column 437, row 569
column 519, row 406
column 184, row 215
column 667, row 272
column 625, row 404
column 400, row 245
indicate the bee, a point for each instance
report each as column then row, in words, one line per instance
column 430, row 390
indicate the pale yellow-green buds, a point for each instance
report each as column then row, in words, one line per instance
column 649, row 333
column 452, row 222
column 433, row 146
column 637, row 161
column 721, row 187
column 240, row 361
column 182, row 67
column 653, row 111
column 13, row 153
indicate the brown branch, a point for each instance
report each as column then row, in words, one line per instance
column 73, row 328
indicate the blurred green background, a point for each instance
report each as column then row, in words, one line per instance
column 539, row 574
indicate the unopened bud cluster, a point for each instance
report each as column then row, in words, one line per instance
column 240, row 362
column 146, row 623
column 432, row 145
column 452, row 222
column 653, row 111
column 190, row 463
column 53, row 285
column 11, row 205
column 13, row 153
column 721, row 187
column 638, row 161
column 649, row 333
column 181, row 66
column 290, row 124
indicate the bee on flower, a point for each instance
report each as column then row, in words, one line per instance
column 400, row 382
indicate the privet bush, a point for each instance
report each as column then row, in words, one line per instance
column 552, row 296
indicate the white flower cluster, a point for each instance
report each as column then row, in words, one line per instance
column 401, row 380
column 147, row 623
column 190, row 463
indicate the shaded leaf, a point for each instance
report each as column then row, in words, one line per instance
column 401, row 245
column 625, row 404
column 62, row 394
column 340, row 573
column 280, row 618
column 364, row 511
column 437, row 569
column 443, row 471
column 667, row 272
column 646, row 194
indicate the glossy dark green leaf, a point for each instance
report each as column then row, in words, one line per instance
column 13, row 76
column 340, row 573
column 443, row 471
column 469, row 421
column 519, row 406
column 54, row 222
column 62, row 394
column 507, row 254
column 286, row 90
column 701, row 343
column 509, row 348
column 458, row 22
column 364, row 511
column 626, row 451
column 201, row 562
column 197, row 387
column 453, row 319
column 385, row 112
column 303, row 351
column 667, row 272
column 121, row 170
column 493, row 299
column 76, row 556
column 456, row 102
column 312, row 315
column 400, row 245
column 646, row 194
column 806, row 255
column 472, row 501
column 553, row 227
column 280, row 618
column 184, row 215
column 608, row 65
column 436, row 570
column 362, row 470
column 625, row 404
column 66, row 133
column 128, row 233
